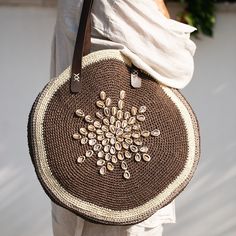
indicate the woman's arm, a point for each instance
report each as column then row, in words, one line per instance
column 163, row 8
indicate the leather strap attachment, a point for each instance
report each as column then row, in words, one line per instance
column 82, row 45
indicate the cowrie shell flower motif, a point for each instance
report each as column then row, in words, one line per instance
column 114, row 135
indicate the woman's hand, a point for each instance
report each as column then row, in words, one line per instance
column 163, row 8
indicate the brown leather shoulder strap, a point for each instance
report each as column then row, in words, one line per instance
column 82, row 44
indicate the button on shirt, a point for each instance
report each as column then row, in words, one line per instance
column 160, row 46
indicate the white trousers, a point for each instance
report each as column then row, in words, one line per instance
column 65, row 223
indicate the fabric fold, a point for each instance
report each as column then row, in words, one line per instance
column 160, row 46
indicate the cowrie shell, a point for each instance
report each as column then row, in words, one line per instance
column 133, row 148
column 88, row 119
column 102, row 95
column 155, row 132
column 79, row 113
column 134, row 110
column 128, row 154
column 138, row 157
column 138, row 142
column 119, row 114
column 112, row 120
column 127, row 129
column 106, row 121
column 145, row 133
column 97, row 124
column 141, row 118
column 83, row 131
column 114, row 159
column 89, row 153
column 118, row 146
column 112, row 129
column 107, row 148
column 136, row 134
column 91, row 135
column 92, row 142
column 84, row 140
column 105, row 141
column 99, row 115
column 125, row 145
column 100, row 162
column 136, row 127
column 109, row 135
column 112, row 150
column 103, row 170
column 131, row 120
column 81, row 159
column 100, row 154
column 110, row 166
column 142, row 109
column 76, row 136
column 118, row 124
column 108, row 102
column 105, row 128
column 106, row 111
column 126, row 174
column 100, row 137
column 119, row 131
column 108, row 157
column 146, row 157
column 121, row 104
column 120, row 156
column 122, row 94
column 129, row 141
column 91, row 128
column 97, row 147
column 124, row 165
column 100, row 104
column 126, row 115
column 124, row 123
column 99, row 132
column 120, row 139
column 143, row 149
column 113, row 111
column 112, row 140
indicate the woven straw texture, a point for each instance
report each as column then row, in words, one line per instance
column 110, row 198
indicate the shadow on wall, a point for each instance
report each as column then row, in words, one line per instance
column 41, row 3
column 25, row 49
column 207, row 206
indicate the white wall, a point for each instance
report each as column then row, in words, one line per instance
column 25, row 40
column 206, row 207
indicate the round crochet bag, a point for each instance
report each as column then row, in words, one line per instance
column 107, row 141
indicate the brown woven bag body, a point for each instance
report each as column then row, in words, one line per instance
column 108, row 151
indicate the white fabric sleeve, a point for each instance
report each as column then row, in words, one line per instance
column 160, row 46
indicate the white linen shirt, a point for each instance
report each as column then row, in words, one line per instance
column 160, row 46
